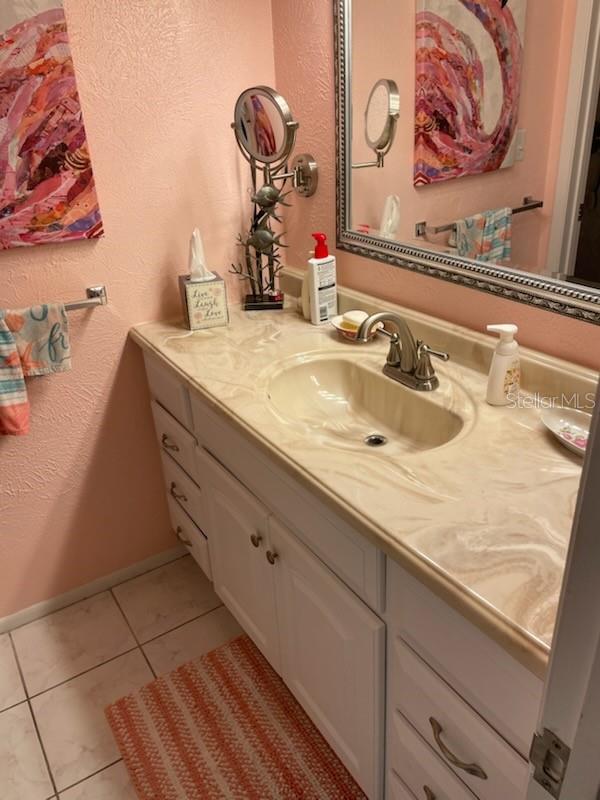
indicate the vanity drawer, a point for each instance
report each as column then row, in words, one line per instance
column 506, row 694
column 420, row 768
column 397, row 790
column 461, row 735
column 170, row 392
column 191, row 536
column 181, row 487
column 173, row 438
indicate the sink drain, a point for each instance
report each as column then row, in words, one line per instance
column 375, row 440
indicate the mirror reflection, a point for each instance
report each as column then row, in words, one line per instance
column 381, row 116
column 482, row 134
column 377, row 116
column 261, row 125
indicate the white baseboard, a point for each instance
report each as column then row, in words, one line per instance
column 81, row 592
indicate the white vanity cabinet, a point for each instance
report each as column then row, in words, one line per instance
column 405, row 690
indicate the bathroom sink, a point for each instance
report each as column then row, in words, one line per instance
column 351, row 402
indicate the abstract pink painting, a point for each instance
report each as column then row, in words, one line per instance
column 47, row 185
column 469, row 59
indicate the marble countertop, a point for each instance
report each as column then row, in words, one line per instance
column 488, row 514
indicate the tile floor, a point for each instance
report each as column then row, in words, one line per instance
column 57, row 675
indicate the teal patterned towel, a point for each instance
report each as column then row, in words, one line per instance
column 33, row 341
column 41, row 335
column 486, row 236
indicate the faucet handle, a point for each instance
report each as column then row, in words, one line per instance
column 424, row 349
column 424, row 370
column 394, row 355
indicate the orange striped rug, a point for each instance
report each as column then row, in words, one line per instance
column 225, row 727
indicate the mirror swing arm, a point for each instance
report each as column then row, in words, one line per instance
column 539, row 291
column 304, row 175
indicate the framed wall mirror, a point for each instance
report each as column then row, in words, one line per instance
column 491, row 177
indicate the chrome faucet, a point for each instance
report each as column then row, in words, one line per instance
column 408, row 361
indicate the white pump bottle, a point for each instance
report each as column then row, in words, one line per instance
column 504, row 380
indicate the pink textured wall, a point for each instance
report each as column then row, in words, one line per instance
column 305, row 75
column 81, row 496
column 383, row 45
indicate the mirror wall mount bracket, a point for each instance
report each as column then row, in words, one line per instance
column 538, row 291
column 304, row 175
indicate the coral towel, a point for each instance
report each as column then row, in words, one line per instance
column 33, row 341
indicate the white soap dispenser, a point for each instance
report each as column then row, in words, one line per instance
column 504, row 380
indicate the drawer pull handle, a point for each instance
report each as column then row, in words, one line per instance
column 272, row 557
column 181, row 536
column 177, row 495
column 168, row 445
column 256, row 539
column 472, row 769
column 429, row 795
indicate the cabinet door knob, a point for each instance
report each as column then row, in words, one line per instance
column 271, row 556
column 177, row 495
column 429, row 795
column 169, row 445
column 181, row 536
column 256, row 539
column 472, row 769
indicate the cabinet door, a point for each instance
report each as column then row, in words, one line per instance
column 238, row 542
column 332, row 657
column 396, row 790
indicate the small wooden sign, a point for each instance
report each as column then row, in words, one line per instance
column 204, row 302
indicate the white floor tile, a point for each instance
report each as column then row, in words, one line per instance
column 111, row 784
column 76, row 736
column 192, row 640
column 160, row 600
column 70, row 641
column 23, row 773
column 11, row 685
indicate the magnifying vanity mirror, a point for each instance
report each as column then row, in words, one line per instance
column 263, row 125
column 381, row 117
column 265, row 131
column 491, row 107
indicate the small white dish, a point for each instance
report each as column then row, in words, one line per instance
column 571, row 427
column 350, row 335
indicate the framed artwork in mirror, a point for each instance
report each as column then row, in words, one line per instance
column 468, row 85
column 47, row 187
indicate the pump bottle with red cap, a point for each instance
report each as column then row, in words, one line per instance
column 322, row 283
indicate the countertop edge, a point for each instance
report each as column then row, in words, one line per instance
column 524, row 648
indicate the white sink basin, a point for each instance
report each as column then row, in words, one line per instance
column 348, row 401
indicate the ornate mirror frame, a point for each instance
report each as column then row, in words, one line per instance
column 512, row 284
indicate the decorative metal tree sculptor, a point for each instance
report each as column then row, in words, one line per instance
column 265, row 132
column 261, row 263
